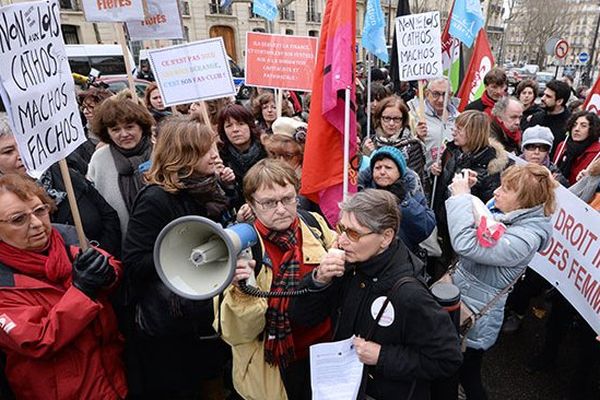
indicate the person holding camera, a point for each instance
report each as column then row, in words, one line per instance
column 58, row 329
column 524, row 203
column 412, row 341
column 270, row 352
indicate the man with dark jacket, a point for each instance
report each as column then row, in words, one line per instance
column 413, row 342
column 505, row 123
column 555, row 113
column 495, row 83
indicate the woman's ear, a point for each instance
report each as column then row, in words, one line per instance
column 388, row 237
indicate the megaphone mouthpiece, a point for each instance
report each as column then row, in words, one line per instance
column 213, row 250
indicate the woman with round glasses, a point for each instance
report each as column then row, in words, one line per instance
column 59, row 332
column 414, row 340
column 270, row 354
column 392, row 128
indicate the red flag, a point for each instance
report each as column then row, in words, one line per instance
column 592, row 101
column 323, row 166
column 481, row 63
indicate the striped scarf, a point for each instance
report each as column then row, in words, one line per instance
column 279, row 345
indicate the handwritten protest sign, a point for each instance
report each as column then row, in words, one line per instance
column 113, row 10
column 163, row 22
column 192, row 72
column 280, row 61
column 37, row 87
column 571, row 262
column 419, row 46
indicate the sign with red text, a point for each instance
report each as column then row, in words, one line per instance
column 571, row 262
column 113, row 10
column 192, row 72
column 162, row 22
column 36, row 84
column 280, row 61
column 419, row 39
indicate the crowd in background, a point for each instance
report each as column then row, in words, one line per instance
column 100, row 324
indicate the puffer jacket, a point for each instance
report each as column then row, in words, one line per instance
column 418, row 341
column 241, row 320
column 418, row 220
column 483, row 272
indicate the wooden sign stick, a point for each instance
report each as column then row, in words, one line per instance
column 64, row 170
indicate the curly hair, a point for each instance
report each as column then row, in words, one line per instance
column 593, row 120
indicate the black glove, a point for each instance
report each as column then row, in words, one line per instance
column 92, row 272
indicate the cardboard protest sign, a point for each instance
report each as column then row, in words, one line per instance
column 113, row 10
column 280, row 61
column 419, row 46
column 163, row 22
column 571, row 262
column 192, row 72
column 36, row 84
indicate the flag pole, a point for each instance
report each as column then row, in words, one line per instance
column 346, row 142
column 368, row 135
column 438, row 156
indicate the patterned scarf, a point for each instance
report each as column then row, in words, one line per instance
column 279, row 345
column 127, row 162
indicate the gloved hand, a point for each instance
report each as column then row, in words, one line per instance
column 92, row 272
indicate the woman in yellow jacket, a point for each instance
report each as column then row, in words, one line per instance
column 270, row 356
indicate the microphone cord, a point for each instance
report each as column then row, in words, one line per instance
column 253, row 291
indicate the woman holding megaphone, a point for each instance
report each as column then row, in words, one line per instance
column 169, row 354
column 270, row 354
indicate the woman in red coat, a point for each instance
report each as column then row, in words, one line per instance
column 58, row 330
column 581, row 146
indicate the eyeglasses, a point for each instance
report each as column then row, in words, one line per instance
column 271, row 204
column 537, row 146
column 387, row 119
column 352, row 234
column 22, row 219
column 87, row 107
column 437, row 95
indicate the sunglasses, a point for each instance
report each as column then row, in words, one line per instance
column 537, row 146
column 352, row 234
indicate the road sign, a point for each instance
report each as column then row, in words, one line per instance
column 550, row 45
column 583, row 57
column 561, row 49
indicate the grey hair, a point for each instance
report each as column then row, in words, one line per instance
column 437, row 80
column 502, row 104
column 375, row 209
column 5, row 129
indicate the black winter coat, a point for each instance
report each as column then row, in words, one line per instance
column 419, row 345
column 100, row 221
column 556, row 122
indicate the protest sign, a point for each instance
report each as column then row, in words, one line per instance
column 37, row 86
column 113, row 10
column 162, row 22
column 192, row 72
column 280, row 61
column 571, row 262
column 419, row 46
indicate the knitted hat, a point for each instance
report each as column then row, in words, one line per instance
column 393, row 154
column 537, row 135
column 291, row 128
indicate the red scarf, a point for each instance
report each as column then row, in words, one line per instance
column 514, row 136
column 54, row 267
column 488, row 103
column 279, row 343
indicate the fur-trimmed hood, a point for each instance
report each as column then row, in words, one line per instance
column 501, row 161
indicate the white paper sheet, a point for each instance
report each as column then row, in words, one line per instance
column 335, row 371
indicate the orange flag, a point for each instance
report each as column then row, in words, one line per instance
column 323, row 166
column 481, row 63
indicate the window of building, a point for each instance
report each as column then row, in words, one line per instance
column 313, row 33
column 289, row 32
column 70, row 35
column 185, row 8
column 69, row 5
column 261, row 30
column 215, row 8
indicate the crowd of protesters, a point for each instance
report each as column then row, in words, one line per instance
column 100, row 324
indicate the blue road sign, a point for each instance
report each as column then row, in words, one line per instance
column 583, row 57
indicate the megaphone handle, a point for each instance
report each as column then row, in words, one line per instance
column 246, row 254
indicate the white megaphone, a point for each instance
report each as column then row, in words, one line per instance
column 196, row 258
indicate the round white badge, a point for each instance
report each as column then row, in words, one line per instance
column 388, row 314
